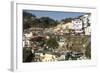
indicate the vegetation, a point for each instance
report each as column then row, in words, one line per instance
column 27, row 20
column 52, row 43
column 66, row 20
column 44, row 41
column 88, row 51
column 30, row 20
column 27, row 54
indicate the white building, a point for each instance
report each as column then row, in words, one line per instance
column 83, row 21
column 48, row 58
column 88, row 30
column 28, row 35
column 26, row 39
column 77, row 25
column 63, row 28
column 86, row 19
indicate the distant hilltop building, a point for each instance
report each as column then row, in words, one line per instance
column 88, row 30
column 86, row 19
column 63, row 28
column 76, row 24
column 80, row 25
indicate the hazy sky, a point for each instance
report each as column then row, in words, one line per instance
column 55, row 14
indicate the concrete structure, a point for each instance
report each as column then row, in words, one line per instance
column 88, row 30
column 77, row 25
column 26, row 39
column 48, row 58
column 86, row 19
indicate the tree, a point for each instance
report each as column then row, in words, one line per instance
column 36, row 22
column 52, row 43
column 30, row 20
column 27, row 19
column 66, row 20
column 27, row 54
column 88, row 51
column 47, row 22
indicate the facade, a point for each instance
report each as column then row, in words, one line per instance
column 82, row 24
column 26, row 39
column 77, row 25
column 86, row 20
column 63, row 28
column 88, row 30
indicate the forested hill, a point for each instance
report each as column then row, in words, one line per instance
column 31, row 20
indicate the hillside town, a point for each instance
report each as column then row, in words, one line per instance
column 65, row 41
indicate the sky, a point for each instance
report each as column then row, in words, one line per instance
column 55, row 14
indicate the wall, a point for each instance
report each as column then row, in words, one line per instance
column 5, row 34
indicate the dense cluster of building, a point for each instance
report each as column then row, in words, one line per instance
column 78, row 26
